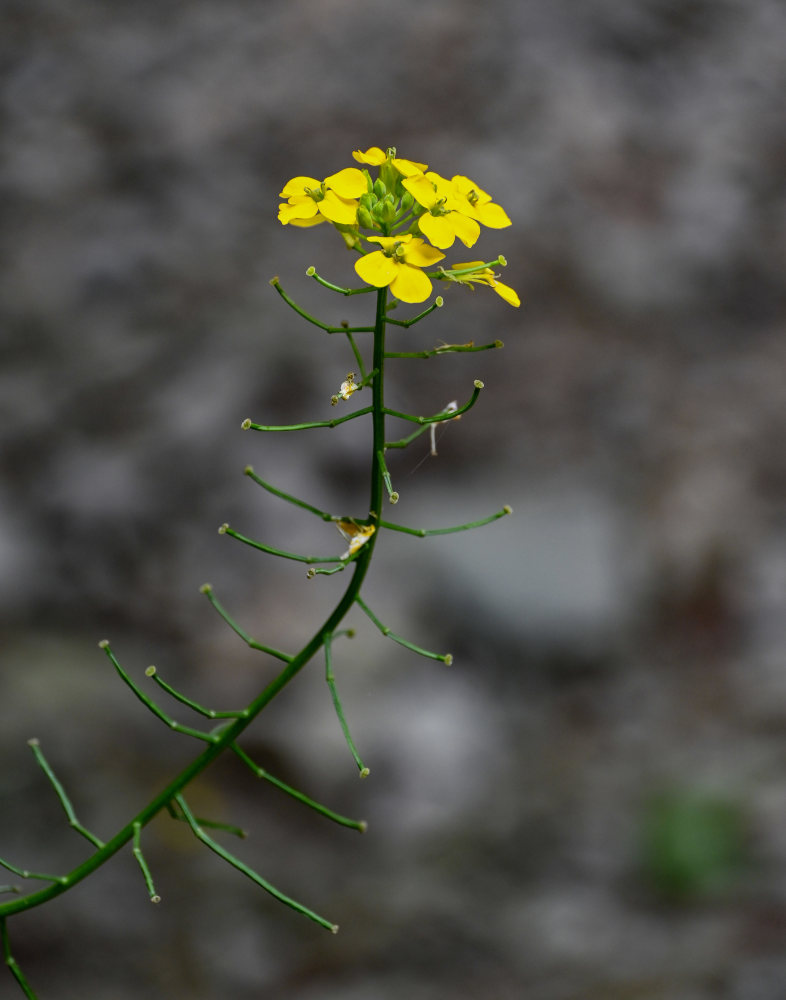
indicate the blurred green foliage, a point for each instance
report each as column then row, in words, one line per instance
column 693, row 844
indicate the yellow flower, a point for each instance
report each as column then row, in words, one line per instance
column 310, row 201
column 375, row 157
column 484, row 277
column 443, row 221
column 398, row 265
column 473, row 201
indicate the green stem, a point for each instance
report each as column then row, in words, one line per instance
column 260, row 772
column 143, row 865
column 286, row 496
column 406, row 323
column 229, row 735
column 331, row 683
column 207, row 590
column 443, row 414
column 12, row 963
column 426, row 532
column 445, row 349
column 443, row 657
column 343, row 328
column 311, row 272
column 209, row 713
column 249, row 425
column 226, row 530
column 65, row 802
column 241, row 866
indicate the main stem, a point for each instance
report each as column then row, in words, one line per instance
column 295, row 665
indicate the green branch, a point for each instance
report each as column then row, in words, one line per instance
column 200, row 834
column 443, row 414
column 446, row 349
column 343, row 328
column 260, row 772
column 331, row 683
column 249, row 425
column 426, row 532
column 311, row 272
column 226, row 530
column 443, row 657
column 68, row 809
column 207, row 590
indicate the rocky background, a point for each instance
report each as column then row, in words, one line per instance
column 589, row 804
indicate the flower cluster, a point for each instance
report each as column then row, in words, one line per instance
column 414, row 214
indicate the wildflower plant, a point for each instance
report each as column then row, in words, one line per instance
column 398, row 223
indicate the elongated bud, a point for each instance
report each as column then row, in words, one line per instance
column 388, row 209
column 364, row 217
column 407, row 201
column 379, row 188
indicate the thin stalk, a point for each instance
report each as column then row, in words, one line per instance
column 312, row 273
column 143, row 865
column 445, row 349
column 443, row 657
column 443, row 414
column 249, row 471
column 12, row 963
column 207, row 590
column 407, row 323
column 209, row 713
column 65, row 802
column 331, row 683
column 249, row 425
column 230, row 733
column 226, row 530
column 426, row 532
column 343, row 328
column 241, row 866
column 260, row 772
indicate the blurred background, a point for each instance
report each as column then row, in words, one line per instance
column 589, row 803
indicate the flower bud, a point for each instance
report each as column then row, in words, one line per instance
column 406, row 201
column 365, row 218
column 379, row 188
column 388, row 209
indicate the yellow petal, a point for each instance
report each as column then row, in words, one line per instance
column 296, row 188
column 507, row 293
column 373, row 156
column 389, row 241
column 421, row 255
column 302, row 208
column 410, row 284
column 422, row 190
column 305, row 223
column 465, row 228
column 467, row 186
column 491, row 215
column 347, row 183
column 376, row 269
column 338, row 209
column 409, row 168
column 437, row 229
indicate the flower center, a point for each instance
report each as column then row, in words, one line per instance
column 317, row 194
